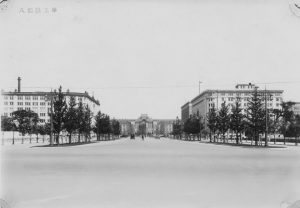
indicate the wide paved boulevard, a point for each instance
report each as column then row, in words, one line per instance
column 150, row 173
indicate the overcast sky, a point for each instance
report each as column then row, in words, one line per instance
column 148, row 56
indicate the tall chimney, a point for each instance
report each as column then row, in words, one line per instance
column 19, row 84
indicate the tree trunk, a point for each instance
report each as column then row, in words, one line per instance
column 30, row 138
column 13, row 141
column 57, row 138
column 274, row 139
column 37, row 138
column 237, row 137
column 43, row 138
column 284, row 139
column 70, row 138
column 78, row 137
column 296, row 142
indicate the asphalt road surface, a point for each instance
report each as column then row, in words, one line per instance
column 150, row 173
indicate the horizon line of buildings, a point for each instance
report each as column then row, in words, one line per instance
column 39, row 102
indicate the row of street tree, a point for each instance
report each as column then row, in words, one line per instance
column 72, row 118
column 256, row 121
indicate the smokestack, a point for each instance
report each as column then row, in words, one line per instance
column 19, row 84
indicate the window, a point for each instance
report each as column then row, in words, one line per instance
column 42, row 114
column 35, row 97
column 42, row 98
column 5, row 103
column 222, row 94
column 43, row 109
column 5, row 97
column 42, row 120
column 20, row 97
column 5, row 114
column 35, row 103
column 11, row 97
column 27, row 97
column 230, row 94
column 20, row 103
column 11, row 103
column 10, row 114
column 43, row 103
column 20, row 108
column 79, row 99
column 27, row 103
column 27, row 108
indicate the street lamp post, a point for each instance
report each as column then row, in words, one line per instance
column 199, row 87
column 266, row 111
column 51, row 116
column 17, row 125
column 266, row 132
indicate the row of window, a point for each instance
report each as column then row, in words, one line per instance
column 27, row 103
column 33, row 98
column 25, row 97
column 245, row 99
column 210, row 105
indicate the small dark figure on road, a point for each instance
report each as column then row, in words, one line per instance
column 132, row 136
column 143, row 137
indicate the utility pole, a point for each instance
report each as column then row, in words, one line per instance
column 51, row 119
column 266, row 110
column 199, row 87
column 50, row 97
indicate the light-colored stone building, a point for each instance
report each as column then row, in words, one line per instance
column 146, row 125
column 202, row 103
column 186, row 111
column 296, row 108
column 39, row 102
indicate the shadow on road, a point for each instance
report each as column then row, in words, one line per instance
column 246, row 145
column 66, row 145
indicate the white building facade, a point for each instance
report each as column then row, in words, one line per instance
column 39, row 102
column 209, row 98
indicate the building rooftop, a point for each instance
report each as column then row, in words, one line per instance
column 185, row 105
column 233, row 91
column 43, row 93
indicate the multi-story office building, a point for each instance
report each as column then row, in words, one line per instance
column 296, row 108
column 186, row 111
column 202, row 103
column 39, row 102
column 146, row 125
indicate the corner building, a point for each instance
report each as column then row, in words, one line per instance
column 202, row 103
column 37, row 101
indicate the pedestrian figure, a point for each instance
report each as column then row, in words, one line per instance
column 143, row 137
